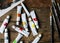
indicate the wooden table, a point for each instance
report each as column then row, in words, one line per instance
column 42, row 9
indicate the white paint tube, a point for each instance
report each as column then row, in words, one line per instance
column 24, row 21
column 37, row 39
column 32, row 13
column 18, row 38
column 32, row 26
column 18, row 14
column 28, row 14
column 4, row 24
column 6, row 39
column 21, row 30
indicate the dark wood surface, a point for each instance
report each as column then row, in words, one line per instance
column 42, row 9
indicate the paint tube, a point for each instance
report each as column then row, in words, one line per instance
column 21, row 30
column 37, row 39
column 6, row 39
column 28, row 14
column 18, row 38
column 32, row 26
column 4, row 24
column 18, row 14
column 32, row 13
column 24, row 21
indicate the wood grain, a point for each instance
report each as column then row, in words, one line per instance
column 42, row 9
